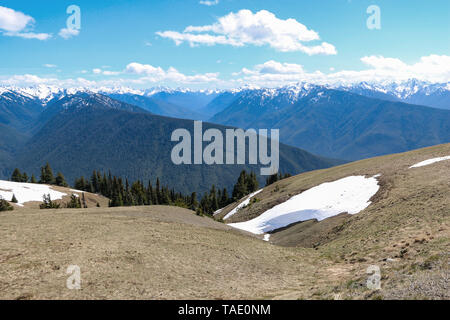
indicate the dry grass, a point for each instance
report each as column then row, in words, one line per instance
column 170, row 253
column 144, row 252
column 407, row 223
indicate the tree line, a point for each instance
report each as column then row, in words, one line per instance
column 46, row 177
column 123, row 193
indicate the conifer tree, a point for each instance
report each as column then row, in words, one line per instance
column 193, row 201
column 16, row 176
column 240, row 188
column 4, row 205
column 48, row 203
column 14, row 199
column 74, row 202
column 60, row 180
column 47, row 175
column 224, row 201
column 214, row 204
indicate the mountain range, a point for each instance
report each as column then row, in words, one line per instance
column 126, row 130
column 336, row 123
column 85, row 131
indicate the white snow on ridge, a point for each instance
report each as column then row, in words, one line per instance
column 26, row 192
column 351, row 194
column 242, row 204
column 429, row 161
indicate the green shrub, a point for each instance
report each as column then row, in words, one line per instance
column 5, row 206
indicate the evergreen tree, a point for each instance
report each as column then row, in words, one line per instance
column 60, row 180
column 272, row 179
column 80, row 184
column 94, row 182
column 199, row 211
column 150, row 194
column 214, row 203
column 48, row 203
column 158, row 193
column 47, row 175
column 33, row 179
column 193, row 203
column 74, row 202
column 240, row 188
column 252, row 183
column 16, row 176
column 224, row 201
column 4, row 205
column 14, row 199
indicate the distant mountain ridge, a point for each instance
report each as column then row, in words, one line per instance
column 412, row 91
column 336, row 123
column 346, row 122
column 86, row 131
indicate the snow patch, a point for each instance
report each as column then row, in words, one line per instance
column 351, row 194
column 242, row 204
column 429, row 161
column 26, row 192
column 266, row 237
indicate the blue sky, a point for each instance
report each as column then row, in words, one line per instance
column 132, row 43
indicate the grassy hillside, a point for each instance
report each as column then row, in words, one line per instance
column 165, row 252
column 405, row 230
column 142, row 253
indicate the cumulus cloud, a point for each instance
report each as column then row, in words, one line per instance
column 432, row 68
column 156, row 74
column 105, row 72
column 67, row 33
column 209, row 2
column 248, row 28
column 17, row 24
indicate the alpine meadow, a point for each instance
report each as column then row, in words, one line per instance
column 216, row 157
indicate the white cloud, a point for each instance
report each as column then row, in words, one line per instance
column 14, row 21
column 432, row 68
column 209, row 2
column 248, row 28
column 29, row 35
column 156, row 74
column 68, row 33
column 105, row 72
column 17, row 24
column 49, row 65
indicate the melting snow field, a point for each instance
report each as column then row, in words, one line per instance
column 350, row 194
column 242, row 204
column 429, row 161
column 26, row 192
